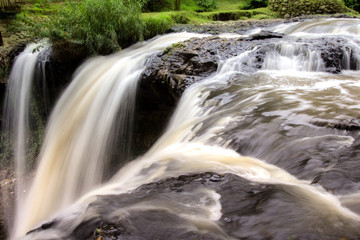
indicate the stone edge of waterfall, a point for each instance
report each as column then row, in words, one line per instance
column 246, row 25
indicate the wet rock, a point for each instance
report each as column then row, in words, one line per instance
column 169, row 73
column 348, row 125
column 185, row 63
column 344, row 175
column 177, row 208
column 7, row 199
column 61, row 62
column 182, row 64
column 239, row 27
column 265, row 35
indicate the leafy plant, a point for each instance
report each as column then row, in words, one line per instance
column 102, row 26
column 157, row 5
column 157, row 25
column 41, row 2
column 353, row 4
column 207, row 5
column 252, row 4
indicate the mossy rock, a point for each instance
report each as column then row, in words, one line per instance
column 301, row 7
column 229, row 16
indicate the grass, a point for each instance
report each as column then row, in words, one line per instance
column 50, row 20
column 228, row 5
column 180, row 17
column 191, row 17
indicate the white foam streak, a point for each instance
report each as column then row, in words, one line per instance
column 293, row 57
column 321, row 27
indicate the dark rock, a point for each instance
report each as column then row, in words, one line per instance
column 181, row 65
column 43, row 227
column 348, row 125
column 249, row 210
column 265, row 35
column 193, row 60
column 60, row 63
column 240, row 27
column 229, row 16
column 169, row 73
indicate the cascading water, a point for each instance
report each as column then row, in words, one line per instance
column 81, row 129
column 279, row 130
column 17, row 113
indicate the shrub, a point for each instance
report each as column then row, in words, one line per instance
column 103, row 26
column 41, row 2
column 157, row 5
column 252, row 4
column 157, row 25
column 207, row 5
column 180, row 18
column 353, row 4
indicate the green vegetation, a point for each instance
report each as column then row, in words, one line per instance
column 307, row 7
column 207, row 5
column 157, row 5
column 353, row 4
column 102, row 26
column 252, row 4
column 124, row 22
column 156, row 25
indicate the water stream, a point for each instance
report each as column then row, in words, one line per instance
column 17, row 108
column 282, row 127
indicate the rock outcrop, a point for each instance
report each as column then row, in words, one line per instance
column 170, row 72
column 187, row 62
column 249, row 210
column 290, row 8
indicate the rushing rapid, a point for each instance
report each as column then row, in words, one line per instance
column 288, row 129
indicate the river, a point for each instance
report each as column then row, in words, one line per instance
column 279, row 145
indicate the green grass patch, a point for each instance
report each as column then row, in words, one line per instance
column 260, row 13
column 156, row 24
column 228, row 5
column 180, row 17
column 190, row 17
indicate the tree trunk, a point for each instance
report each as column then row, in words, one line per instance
column 177, row 5
column 1, row 40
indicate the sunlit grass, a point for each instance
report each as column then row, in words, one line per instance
column 191, row 17
column 228, row 5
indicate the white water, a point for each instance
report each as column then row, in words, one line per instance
column 16, row 113
column 80, row 128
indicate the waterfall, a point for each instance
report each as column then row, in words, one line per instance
column 82, row 127
column 293, row 57
column 280, row 127
column 17, row 113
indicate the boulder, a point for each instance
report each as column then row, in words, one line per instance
column 178, row 208
column 297, row 8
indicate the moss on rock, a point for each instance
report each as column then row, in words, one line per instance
column 292, row 8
